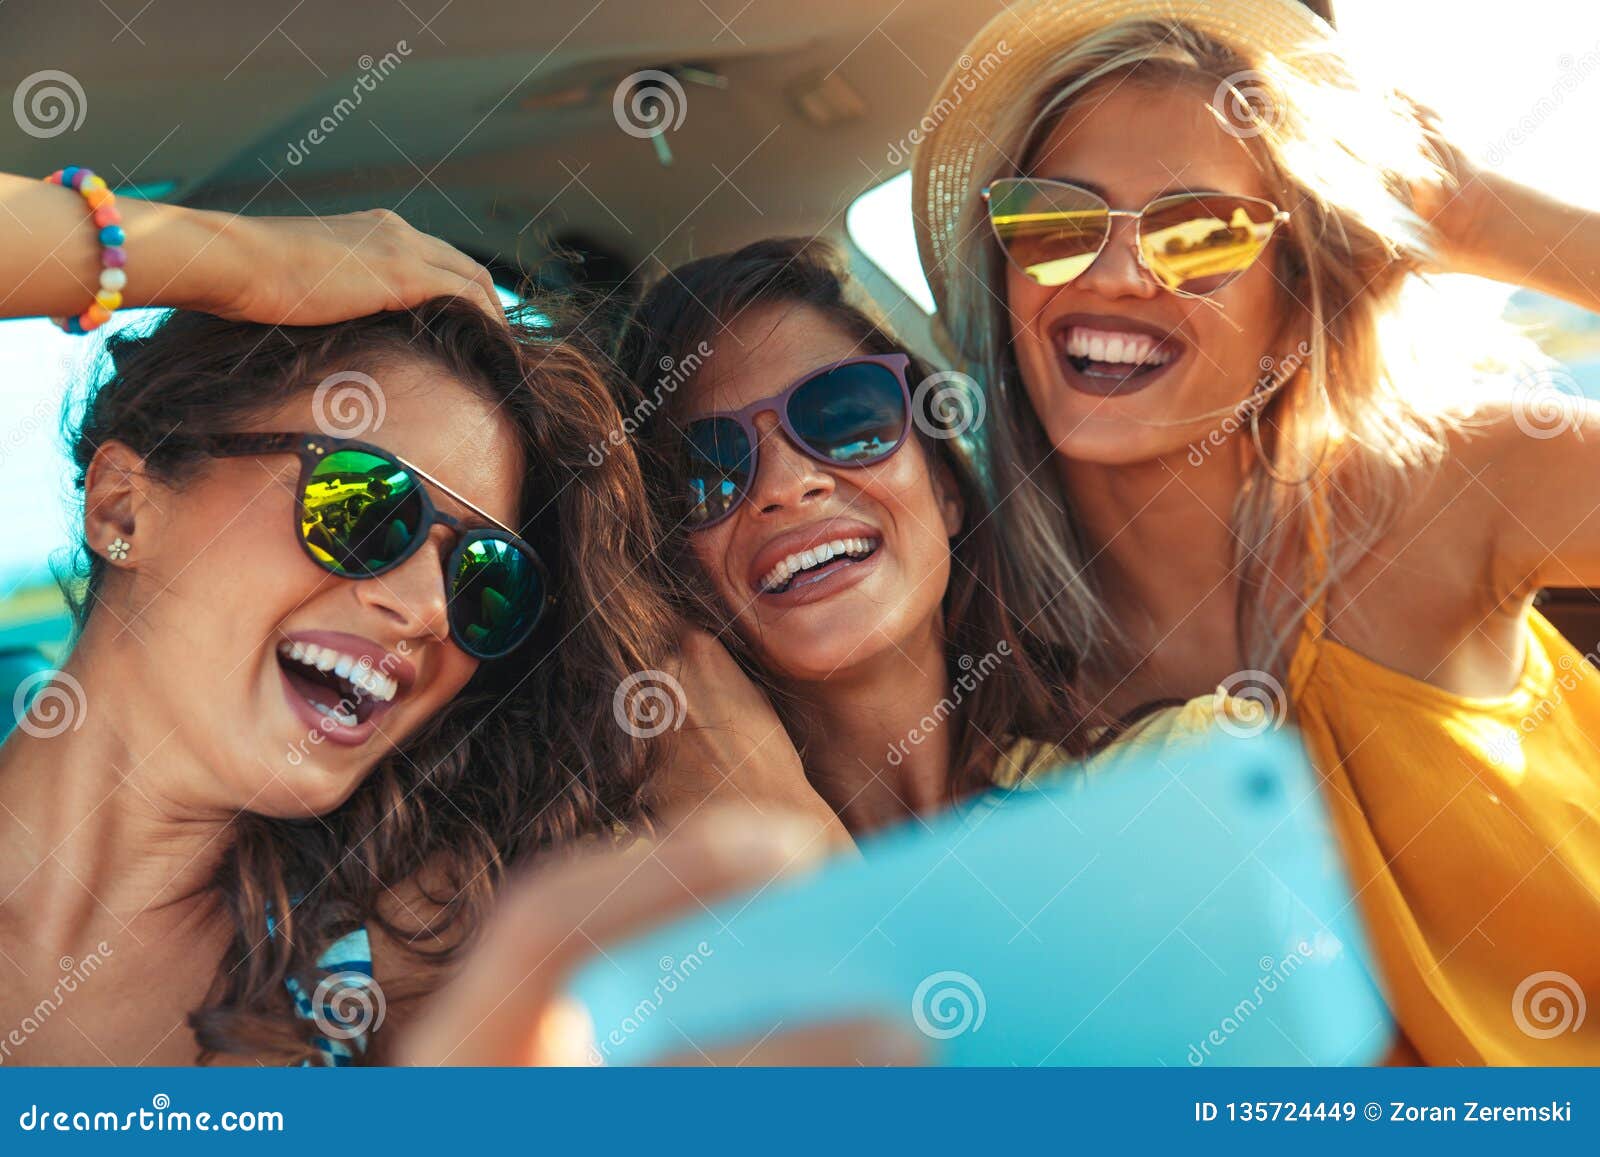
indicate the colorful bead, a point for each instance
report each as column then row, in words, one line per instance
column 102, row 203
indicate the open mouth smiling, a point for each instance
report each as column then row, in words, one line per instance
column 820, row 561
column 340, row 684
column 1105, row 355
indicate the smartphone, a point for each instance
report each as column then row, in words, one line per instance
column 1181, row 904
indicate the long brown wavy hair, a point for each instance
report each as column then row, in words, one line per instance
column 528, row 756
column 1032, row 695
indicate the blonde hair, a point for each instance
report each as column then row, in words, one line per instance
column 1365, row 375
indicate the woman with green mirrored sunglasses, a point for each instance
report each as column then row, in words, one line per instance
column 323, row 691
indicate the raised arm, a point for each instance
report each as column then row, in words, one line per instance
column 278, row 270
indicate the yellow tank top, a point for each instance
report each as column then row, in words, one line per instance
column 1472, row 832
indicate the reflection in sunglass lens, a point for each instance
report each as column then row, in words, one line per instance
column 717, row 467
column 850, row 414
column 360, row 512
column 1051, row 232
column 495, row 596
column 1199, row 242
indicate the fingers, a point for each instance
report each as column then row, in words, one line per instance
column 505, row 1007
column 447, row 257
column 423, row 266
column 837, row 1044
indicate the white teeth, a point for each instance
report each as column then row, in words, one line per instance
column 816, row 556
column 359, row 672
column 334, row 713
column 1111, row 346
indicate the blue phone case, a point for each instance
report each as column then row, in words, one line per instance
column 1179, row 905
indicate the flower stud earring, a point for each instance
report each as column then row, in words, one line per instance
column 118, row 550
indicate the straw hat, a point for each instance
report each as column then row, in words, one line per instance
column 1027, row 39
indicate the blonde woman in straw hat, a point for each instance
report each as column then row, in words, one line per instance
column 1185, row 247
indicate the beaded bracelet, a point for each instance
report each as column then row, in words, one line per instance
column 102, row 204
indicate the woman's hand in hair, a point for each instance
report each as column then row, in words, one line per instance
column 278, row 270
column 508, row 1005
column 316, row 270
column 732, row 746
column 1488, row 225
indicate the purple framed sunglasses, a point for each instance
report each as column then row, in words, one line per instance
column 851, row 413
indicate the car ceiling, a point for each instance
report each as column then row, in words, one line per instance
column 494, row 126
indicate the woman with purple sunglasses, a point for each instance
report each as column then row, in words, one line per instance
column 856, row 657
